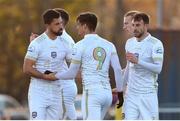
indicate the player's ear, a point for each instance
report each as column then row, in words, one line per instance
column 147, row 26
column 85, row 26
column 46, row 25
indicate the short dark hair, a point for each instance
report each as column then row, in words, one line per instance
column 49, row 15
column 64, row 14
column 88, row 18
column 131, row 13
column 141, row 16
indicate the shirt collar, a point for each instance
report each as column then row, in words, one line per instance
column 90, row 35
column 146, row 38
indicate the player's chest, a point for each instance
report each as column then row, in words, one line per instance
column 52, row 52
column 141, row 50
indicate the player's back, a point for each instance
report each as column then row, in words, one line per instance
column 96, row 55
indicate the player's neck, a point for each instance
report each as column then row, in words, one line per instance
column 90, row 32
column 51, row 35
column 142, row 37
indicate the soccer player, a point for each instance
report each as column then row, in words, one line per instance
column 128, row 28
column 69, row 88
column 145, row 55
column 44, row 55
column 94, row 55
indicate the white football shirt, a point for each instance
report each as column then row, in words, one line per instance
column 48, row 54
column 94, row 54
column 142, row 80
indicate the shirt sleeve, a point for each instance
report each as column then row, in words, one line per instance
column 71, row 43
column 70, row 74
column 113, row 50
column 77, row 53
column 158, row 53
column 32, row 51
column 157, row 56
column 117, row 69
column 69, row 51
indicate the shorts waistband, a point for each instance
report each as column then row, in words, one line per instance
column 97, row 85
column 44, row 83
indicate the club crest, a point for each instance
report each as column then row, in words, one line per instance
column 53, row 54
column 34, row 114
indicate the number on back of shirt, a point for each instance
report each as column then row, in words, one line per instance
column 99, row 55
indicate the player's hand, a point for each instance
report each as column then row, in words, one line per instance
column 121, row 99
column 131, row 57
column 50, row 77
column 114, row 91
column 32, row 37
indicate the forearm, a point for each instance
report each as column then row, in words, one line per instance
column 65, row 75
column 34, row 73
column 125, row 73
column 70, row 74
column 118, row 79
column 154, row 67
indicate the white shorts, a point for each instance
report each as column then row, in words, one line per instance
column 69, row 92
column 141, row 106
column 95, row 103
column 45, row 101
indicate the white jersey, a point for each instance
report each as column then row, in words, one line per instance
column 68, row 39
column 48, row 54
column 150, row 50
column 94, row 53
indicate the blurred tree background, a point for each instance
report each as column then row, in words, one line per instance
column 18, row 18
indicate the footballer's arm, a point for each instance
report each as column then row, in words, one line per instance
column 118, row 78
column 155, row 67
column 29, row 70
column 68, row 75
column 117, row 72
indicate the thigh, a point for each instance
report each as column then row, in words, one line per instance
column 91, row 108
column 54, row 112
column 37, row 105
column 68, row 97
column 69, row 93
column 130, row 108
column 106, row 102
column 54, row 109
column 149, row 107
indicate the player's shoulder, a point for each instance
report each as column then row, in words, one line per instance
column 106, row 42
column 79, row 43
column 36, row 43
column 41, row 38
column 130, row 40
column 67, row 37
column 154, row 41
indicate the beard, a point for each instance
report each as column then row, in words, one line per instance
column 138, row 34
column 58, row 33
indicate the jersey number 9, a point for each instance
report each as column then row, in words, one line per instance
column 99, row 54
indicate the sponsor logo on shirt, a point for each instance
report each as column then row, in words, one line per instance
column 34, row 114
column 159, row 51
column 31, row 49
